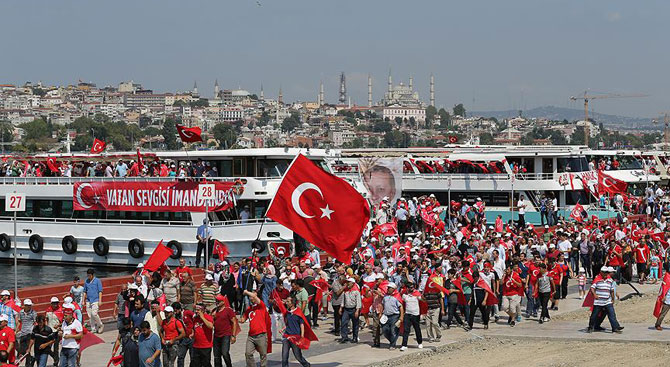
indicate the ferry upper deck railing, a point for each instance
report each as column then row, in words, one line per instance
column 12, row 180
column 468, row 176
column 214, row 224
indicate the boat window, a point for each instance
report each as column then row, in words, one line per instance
column 251, row 163
column 238, row 167
column 547, row 165
column 573, row 197
column 272, row 167
column 225, row 168
column 498, row 199
column 576, row 164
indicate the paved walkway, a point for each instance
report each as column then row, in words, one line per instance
column 327, row 352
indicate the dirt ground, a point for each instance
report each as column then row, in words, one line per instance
column 491, row 352
column 633, row 310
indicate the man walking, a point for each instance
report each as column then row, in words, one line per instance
column 71, row 331
column 393, row 313
column 171, row 332
column 259, row 330
column 225, row 331
column 351, row 306
column 27, row 319
column 92, row 296
column 149, row 345
column 602, row 291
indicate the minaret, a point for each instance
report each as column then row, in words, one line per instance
column 216, row 88
column 369, row 91
column 280, row 100
column 262, row 94
column 411, row 83
column 195, row 88
column 432, row 90
column 321, row 99
column 390, row 82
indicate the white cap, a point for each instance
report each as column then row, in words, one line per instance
column 28, row 302
column 379, row 276
column 316, row 266
column 209, row 277
column 392, row 285
column 581, row 270
column 54, row 300
column 133, row 286
column 168, row 309
column 224, row 263
column 546, row 226
column 5, row 293
column 140, row 265
column 350, row 279
column 69, row 306
column 67, row 300
column 4, row 317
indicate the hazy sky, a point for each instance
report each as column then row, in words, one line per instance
column 489, row 54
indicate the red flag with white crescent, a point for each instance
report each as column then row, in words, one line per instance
column 577, row 212
column 189, row 134
column 322, row 208
column 282, row 249
column 609, row 184
column 98, row 146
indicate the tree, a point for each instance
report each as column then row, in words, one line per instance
column 225, row 134
column 291, row 123
column 431, row 112
column 373, row 142
column 382, row 126
column 170, row 134
column 486, row 139
column 557, row 138
column 459, row 110
column 396, row 139
column 36, row 129
column 527, row 139
column 202, row 102
column 577, row 137
column 445, row 119
column 265, row 119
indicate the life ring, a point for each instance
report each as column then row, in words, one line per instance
column 36, row 243
column 176, row 248
column 259, row 246
column 69, row 244
column 101, row 246
column 5, row 242
column 238, row 187
column 136, row 248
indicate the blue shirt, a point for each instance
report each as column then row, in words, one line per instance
column 204, row 231
column 93, row 289
column 6, row 310
column 147, row 348
column 137, row 316
column 293, row 323
column 122, row 170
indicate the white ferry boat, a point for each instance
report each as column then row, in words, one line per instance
column 50, row 230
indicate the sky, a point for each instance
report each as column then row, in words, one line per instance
column 486, row 54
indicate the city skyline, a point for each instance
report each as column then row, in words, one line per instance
column 542, row 53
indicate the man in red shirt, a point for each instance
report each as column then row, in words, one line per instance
column 7, row 338
column 225, row 331
column 182, row 268
column 171, row 332
column 556, row 275
column 512, row 293
column 203, row 323
column 641, row 259
column 533, row 272
column 615, row 260
column 185, row 345
column 259, row 329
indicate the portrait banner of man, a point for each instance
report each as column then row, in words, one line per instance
column 382, row 178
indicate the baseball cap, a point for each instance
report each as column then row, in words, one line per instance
column 168, row 309
column 392, row 285
column 209, row 277
column 54, row 300
column 67, row 300
column 220, row 297
column 5, row 293
column 28, row 302
column 4, row 317
column 140, row 265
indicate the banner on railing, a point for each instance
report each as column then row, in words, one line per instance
column 148, row 196
column 382, row 178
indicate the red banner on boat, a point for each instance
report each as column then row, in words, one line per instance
column 148, row 196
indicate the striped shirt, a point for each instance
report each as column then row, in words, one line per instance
column 208, row 294
column 603, row 291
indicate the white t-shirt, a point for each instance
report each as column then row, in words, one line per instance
column 74, row 328
column 411, row 304
column 564, row 246
column 520, row 204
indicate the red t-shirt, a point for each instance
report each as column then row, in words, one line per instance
column 181, row 270
column 533, row 273
column 223, row 322
column 642, row 254
column 7, row 336
column 615, row 261
column 202, row 335
column 187, row 318
column 256, row 317
column 555, row 275
column 171, row 328
column 510, row 288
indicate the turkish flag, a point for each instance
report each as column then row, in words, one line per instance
column 52, row 164
column 453, row 139
column 140, row 161
column 321, row 208
column 491, row 299
column 611, row 185
column 189, row 134
column 434, row 287
column 577, row 212
column 309, row 336
column 89, row 339
column 282, row 249
column 220, row 250
column 158, row 257
column 662, row 292
column 98, row 146
column 278, row 302
column 116, row 360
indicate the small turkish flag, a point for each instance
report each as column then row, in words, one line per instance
column 220, row 250
column 611, row 185
column 282, row 249
column 320, row 207
column 52, row 164
column 98, row 146
column 578, row 212
column 189, row 134
column 158, row 257
column 453, row 139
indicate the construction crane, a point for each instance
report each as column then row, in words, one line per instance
column 587, row 97
column 666, row 130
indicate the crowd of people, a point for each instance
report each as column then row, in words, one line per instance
column 415, row 263
column 126, row 167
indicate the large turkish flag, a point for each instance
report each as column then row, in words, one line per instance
column 320, row 207
column 189, row 134
column 609, row 184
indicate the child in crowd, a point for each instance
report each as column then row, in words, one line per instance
column 654, row 264
column 581, row 280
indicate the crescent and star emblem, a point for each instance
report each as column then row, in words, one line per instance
column 81, row 202
column 295, row 200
